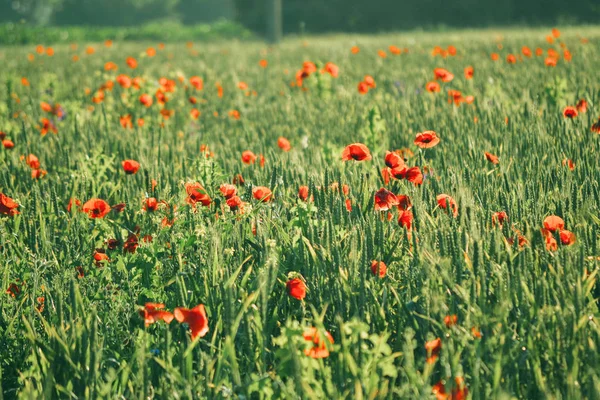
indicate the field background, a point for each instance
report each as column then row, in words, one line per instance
column 536, row 310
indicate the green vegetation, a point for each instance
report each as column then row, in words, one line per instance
column 73, row 286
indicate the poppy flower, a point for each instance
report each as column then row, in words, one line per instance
column 8, row 206
column 555, row 33
column 567, row 55
column 439, row 390
column 96, row 208
column 433, row 348
column 47, row 126
column 566, row 237
column 32, row 161
column 450, row 320
column 248, row 157
column 469, row 72
column 235, row 114
column 385, row 200
column 153, row 312
column 197, row 82
column 499, row 218
column 432, row 87
column 526, row 51
column 262, row 194
column 8, row 144
column 130, row 166
column 363, row 88
column 460, row 391
column 451, row 50
column 296, row 288
column 150, row 204
column 395, row 50
column 582, row 106
column 495, row 56
column 38, row 173
column 131, row 244
column 405, row 218
column 357, row 152
column 368, row 79
column 553, row 223
column 378, row 268
column 596, row 126
column 393, row 159
column 331, row 69
column 13, row 290
column 263, row 63
column 228, row 190
column 569, row 163
column 355, row 50
column 303, row 193
column 414, row 175
column 443, row 75
column 443, row 200
column 196, row 193
column 195, row 318
column 195, row 113
column 511, row 59
column 131, row 62
column 550, row 62
column 146, row 100
column 426, row 139
column 125, row 121
column 551, row 243
column 319, row 347
column 124, row 81
column 234, row 203
column 570, row 112
column 284, row 144
column 491, row 158
column 73, row 202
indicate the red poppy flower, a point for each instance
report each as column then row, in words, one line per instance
column 357, row 152
column 551, row 243
column 378, row 268
column 443, row 74
column 146, row 100
column 426, row 139
column 355, row 50
column 385, row 200
column 153, row 312
column 228, row 190
column 550, row 62
column 393, row 159
column 8, row 144
column 460, row 392
column 363, row 88
column 96, row 208
column 491, row 158
column 566, row 237
column 469, row 72
column 38, row 173
column 125, row 121
column 570, row 112
column 196, row 193
column 553, row 223
column 124, row 81
column 131, row 62
column 32, row 161
column 582, row 106
column 499, row 218
column 130, row 166
column 8, row 206
column 495, row 56
column 296, row 288
column 395, row 50
column 511, row 59
column 433, row 348
column 284, row 144
column 234, row 203
column 432, row 87
column 439, row 390
column 443, row 200
column 331, row 69
column 303, row 193
column 526, row 51
column 73, row 202
column 248, row 157
column 262, row 193
column 370, row 81
column 13, row 290
column 596, row 126
column 263, row 63
column 131, row 244
column 150, row 204
column 414, row 175
column 348, row 205
column 100, row 258
column 319, row 345
column 568, row 162
column 405, row 218
column 195, row 318
column 450, row 320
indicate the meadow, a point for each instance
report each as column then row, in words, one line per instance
column 412, row 215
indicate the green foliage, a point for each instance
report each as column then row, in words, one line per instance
column 526, row 317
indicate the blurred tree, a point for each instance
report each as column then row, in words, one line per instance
column 114, row 12
column 39, row 12
column 197, row 11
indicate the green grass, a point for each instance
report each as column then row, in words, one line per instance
column 537, row 310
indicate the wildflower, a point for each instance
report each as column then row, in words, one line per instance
column 195, row 318
column 296, row 288
column 319, row 347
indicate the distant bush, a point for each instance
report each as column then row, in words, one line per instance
column 22, row 33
